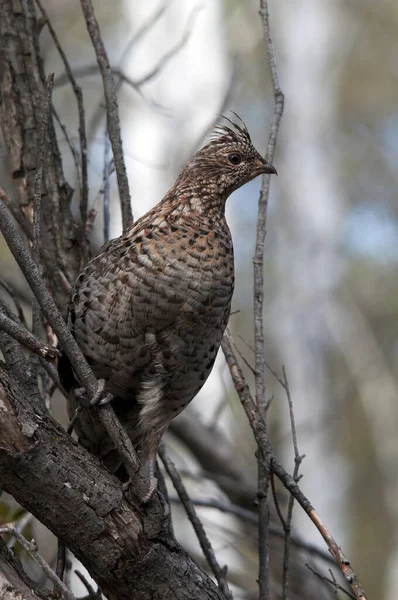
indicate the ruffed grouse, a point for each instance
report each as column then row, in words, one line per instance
column 150, row 309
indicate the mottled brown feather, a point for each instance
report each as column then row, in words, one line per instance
column 149, row 311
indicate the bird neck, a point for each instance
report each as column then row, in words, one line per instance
column 196, row 200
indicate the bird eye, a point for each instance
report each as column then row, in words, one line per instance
column 235, row 158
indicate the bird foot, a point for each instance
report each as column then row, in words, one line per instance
column 146, row 497
column 153, row 486
column 100, row 397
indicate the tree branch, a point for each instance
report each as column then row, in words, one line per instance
column 31, row 548
column 208, row 551
column 111, row 111
column 265, row 448
column 82, row 129
column 128, row 549
column 264, row 466
column 26, row 338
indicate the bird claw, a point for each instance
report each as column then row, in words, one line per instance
column 100, row 397
column 153, row 486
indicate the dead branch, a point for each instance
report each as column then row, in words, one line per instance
column 264, row 466
column 219, row 572
column 27, row 339
column 264, row 447
column 332, row 581
column 82, row 127
column 111, row 111
column 36, row 318
column 31, row 548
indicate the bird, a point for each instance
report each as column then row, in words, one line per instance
column 150, row 309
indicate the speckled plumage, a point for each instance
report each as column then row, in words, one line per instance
column 149, row 311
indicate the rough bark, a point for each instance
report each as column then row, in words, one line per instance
column 11, row 586
column 15, row 584
column 22, row 93
column 129, row 550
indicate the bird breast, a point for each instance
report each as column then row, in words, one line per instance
column 153, row 305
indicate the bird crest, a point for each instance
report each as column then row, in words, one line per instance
column 238, row 133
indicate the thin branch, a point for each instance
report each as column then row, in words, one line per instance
column 122, row 78
column 27, row 339
column 71, row 145
column 18, row 214
column 265, row 448
column 111, row 111
column 336, row 586
column 31, row 548
column 276, row 503
column 219, row 573
column 172, row 52
column 82, row 123
column 145, row 28
column 13, row 560
column 12, row 351
column 338, row 555
column 36, row 318
column 20, row 526
column 297, row 463
column 108, row 164
column 264, row 464
column 251, row 517
column 15, row 298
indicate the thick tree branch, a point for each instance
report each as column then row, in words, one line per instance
column 22, row 90
column 82, row 129
column 129, row 550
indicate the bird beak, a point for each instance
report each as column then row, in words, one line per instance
column 262, row 166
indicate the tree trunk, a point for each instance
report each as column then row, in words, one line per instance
column 128, row 549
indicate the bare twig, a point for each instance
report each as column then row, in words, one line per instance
column 82, row 123
column 332, row 581
column 276, row 502
column 264, row 465
column 70, row 143
column 18, row 214
column 172, row 52
column 143, row 30
column 264, row 447
column 111, row 111
column 297, row 462
column 251, row 517
column 122, row 78
column 12, row 559
column 219, row 572
column 26, row 338
column 12, row 351
column 36, row 319
column 108, row 163
column 15, row 298
column 20, row 525
column 31, row 548
column 338, row 555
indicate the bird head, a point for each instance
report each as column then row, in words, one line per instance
column 226, row 163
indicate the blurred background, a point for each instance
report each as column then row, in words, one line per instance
column 331, row 287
